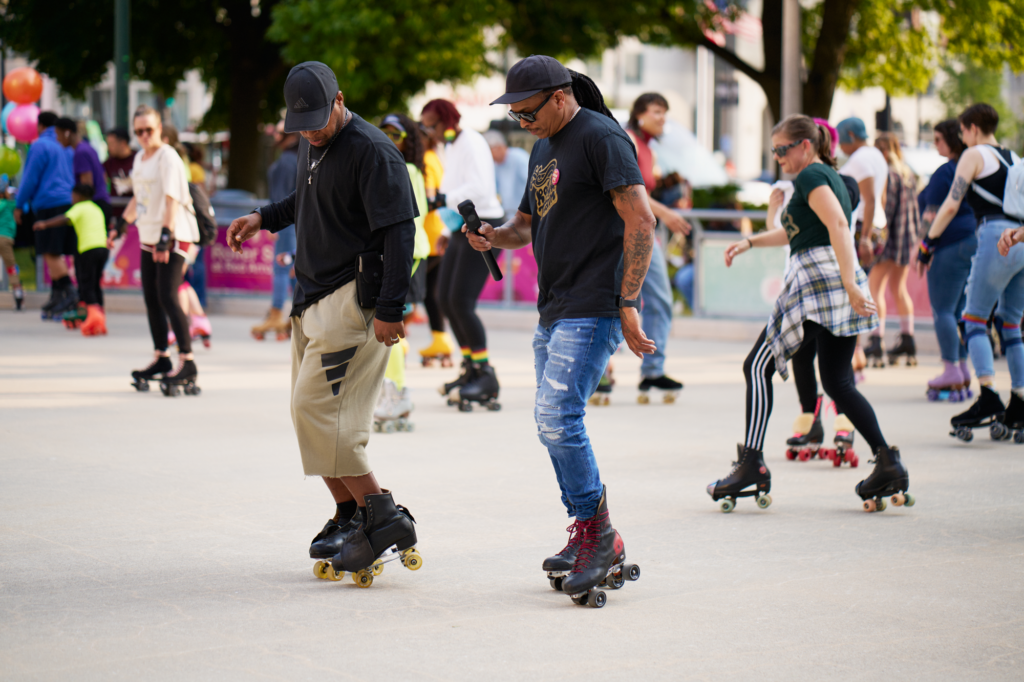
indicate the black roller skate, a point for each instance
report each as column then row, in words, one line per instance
column 843, row 452
column 905, row 346
column 386, row 533
column 889, row 477
column 142, row 377
column 46, row 311
column 1012, row 422
column 19, row 297
column 669, row 387
column 600, row 560
column 808, row 435
column 559, row 565
column 874, row 352
column 603, row 393
column 987, row 410
column 481, row 388
column 328, row 541
column 67, row 300
column 184, row 379
column 464, row 377
column 748, row 471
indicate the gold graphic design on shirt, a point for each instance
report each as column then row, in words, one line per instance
column 544, row 190
column 787, row 222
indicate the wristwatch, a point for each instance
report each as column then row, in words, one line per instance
column 627, row 303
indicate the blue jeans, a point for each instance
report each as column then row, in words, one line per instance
column 657, row 312
column 684, row 283
column 947, row 283
column 570, row 357
column 284, row 283
column 995, row 280
column 196, row 276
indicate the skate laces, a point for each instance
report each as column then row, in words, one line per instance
column 574, row 536
column 589, row 535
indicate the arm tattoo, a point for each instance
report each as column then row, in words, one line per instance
column 628, row 195
column 638, row 245
column 959, row 189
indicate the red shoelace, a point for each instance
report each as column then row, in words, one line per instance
column 589, row 537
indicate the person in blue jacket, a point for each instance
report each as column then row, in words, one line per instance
column 45, row 192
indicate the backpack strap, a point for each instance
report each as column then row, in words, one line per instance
column 984, row 193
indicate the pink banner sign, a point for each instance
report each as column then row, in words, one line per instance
column 523, row 272
column 251, row 270
column 122, row 269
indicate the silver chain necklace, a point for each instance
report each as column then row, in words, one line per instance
column 311, row 165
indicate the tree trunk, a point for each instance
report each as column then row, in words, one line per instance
column 255, row 64
column 771, row 40
column 829, row 52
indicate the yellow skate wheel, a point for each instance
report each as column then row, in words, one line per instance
column 363, row 578
column 378, row 567
column 320, row 569
column 334, row 575
column 412, row 560
column 643, row 399
column 669, row 399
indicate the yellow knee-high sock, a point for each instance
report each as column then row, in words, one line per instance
column 396, row 366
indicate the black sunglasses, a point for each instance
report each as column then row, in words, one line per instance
column 784, row 149
column 532, row 116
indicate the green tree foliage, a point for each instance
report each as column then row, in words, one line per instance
column 223, row 39
column 383, row 53
column 972, row 83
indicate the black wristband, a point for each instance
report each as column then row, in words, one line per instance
column 627, row 303
column 165, row 240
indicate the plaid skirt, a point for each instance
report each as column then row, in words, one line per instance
column 813, row 290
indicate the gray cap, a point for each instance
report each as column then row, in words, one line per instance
column 529, row 76
column 309, row 94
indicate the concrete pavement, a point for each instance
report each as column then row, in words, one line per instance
column 166, row 539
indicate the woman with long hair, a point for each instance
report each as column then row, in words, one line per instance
column 893, row 265
column 823, row 301
column 160, row 209
column 947, row 261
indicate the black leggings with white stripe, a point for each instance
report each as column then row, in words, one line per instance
column 835, row 354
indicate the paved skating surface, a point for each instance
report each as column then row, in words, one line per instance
column 143, row 537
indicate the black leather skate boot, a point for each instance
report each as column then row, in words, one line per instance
column 482, row 388
column 808, row 434
column 385, row 525
column 462, row 380
column 874, row 352
column 889, row 477
column 329, row 541
column 748, row 471
column 559, row 565
column 987, row 407
column 1014, row 416
column 142, row 377
column 905, row 346
column 600, row 548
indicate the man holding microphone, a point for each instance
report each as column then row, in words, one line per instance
column 585, row 210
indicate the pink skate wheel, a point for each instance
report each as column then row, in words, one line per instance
column 837, row 460
column 854, row 461
column 804, row 455
column 790, row 455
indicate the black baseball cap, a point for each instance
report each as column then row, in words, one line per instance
column 529, row 76
column 309, row 94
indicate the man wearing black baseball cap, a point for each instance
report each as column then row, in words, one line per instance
column 353, row 210
column 586, row 211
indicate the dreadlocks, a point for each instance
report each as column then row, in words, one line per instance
column 588, row 95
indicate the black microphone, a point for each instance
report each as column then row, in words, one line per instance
column 468, row 210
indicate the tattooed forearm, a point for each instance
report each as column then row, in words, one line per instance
column 638, row 243
column 959, row 190
column 627, row 197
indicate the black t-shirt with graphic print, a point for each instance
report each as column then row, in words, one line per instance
column 577, row 233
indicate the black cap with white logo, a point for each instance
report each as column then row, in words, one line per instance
column 529, row 76
column 309, row 94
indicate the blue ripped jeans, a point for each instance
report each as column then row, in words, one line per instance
column 570, row 357
column 656, row 319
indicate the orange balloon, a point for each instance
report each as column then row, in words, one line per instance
column 23, row 85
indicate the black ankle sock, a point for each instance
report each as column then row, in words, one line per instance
column 346, row 510
column 61, row 283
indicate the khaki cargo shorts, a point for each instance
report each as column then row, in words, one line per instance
column 337, row 371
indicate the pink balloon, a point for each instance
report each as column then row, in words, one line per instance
column 23, row 122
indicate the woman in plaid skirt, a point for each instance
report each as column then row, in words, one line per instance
column 823, row 301
column 903, row 219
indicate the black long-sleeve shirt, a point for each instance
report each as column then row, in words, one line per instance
column 358, row 199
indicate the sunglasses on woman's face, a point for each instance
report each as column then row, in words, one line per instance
column 395, row 135
column 784, row 149
column 139, row 132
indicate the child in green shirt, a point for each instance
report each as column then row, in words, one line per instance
column 8, row 228
column 90, row 227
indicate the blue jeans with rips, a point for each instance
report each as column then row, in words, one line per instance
column 995, row 281
column 656, row 293
column 569, row 358
column 284, row 283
